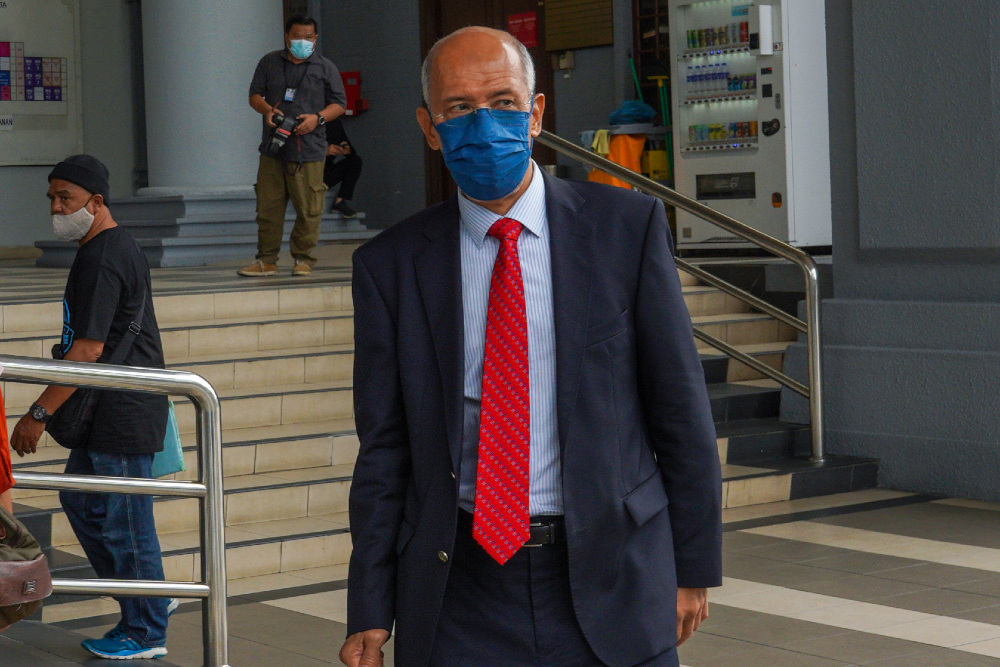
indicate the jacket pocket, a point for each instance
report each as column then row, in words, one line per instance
column 647, row 500
column 605, row 330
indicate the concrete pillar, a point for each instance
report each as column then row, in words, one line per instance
column 198, row 59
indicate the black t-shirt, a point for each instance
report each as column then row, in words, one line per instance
column 106, row 285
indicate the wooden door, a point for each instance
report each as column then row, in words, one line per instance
column 442, row 17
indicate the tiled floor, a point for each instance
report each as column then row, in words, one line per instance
column 872, row 578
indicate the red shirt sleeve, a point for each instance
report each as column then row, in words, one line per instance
column 6, row 477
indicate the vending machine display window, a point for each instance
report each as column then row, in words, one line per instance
column 750, row 118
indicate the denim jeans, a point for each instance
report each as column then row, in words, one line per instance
column 118, row 534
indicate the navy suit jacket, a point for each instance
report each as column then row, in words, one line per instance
column 641, row 476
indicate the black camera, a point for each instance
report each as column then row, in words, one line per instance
column 284, row 126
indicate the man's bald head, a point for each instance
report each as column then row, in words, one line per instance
column 476, row 42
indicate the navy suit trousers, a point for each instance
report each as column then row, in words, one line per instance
column 519, row 614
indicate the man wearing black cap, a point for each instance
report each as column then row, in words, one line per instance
column 108, row 298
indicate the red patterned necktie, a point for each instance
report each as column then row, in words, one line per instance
column 500, row 523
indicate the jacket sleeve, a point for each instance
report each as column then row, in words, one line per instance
column 677, row 411
column 382, row 471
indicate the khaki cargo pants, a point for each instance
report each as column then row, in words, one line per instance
column 275, row 186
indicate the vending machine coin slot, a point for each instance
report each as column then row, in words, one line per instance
column 765, row 71
column 777, row 101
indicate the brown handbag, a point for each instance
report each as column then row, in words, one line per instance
column 24, row 572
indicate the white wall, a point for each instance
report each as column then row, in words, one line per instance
column 107, row 124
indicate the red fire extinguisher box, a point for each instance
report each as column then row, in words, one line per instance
column 352, row 87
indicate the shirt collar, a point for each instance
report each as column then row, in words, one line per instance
column 478, row 219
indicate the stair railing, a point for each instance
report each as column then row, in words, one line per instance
column 208, row 489
column 811, row 326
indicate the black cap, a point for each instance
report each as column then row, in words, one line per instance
column 86, row 171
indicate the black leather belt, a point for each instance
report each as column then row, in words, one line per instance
column 544, row 530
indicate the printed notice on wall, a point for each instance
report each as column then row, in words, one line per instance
column 40, row 120
column 524, row 27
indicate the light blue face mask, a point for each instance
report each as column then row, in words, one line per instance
column 301, row 48
column 487, row 152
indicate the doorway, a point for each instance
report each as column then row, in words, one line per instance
column 442, row 17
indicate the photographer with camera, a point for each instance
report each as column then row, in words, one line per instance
column 297, row 91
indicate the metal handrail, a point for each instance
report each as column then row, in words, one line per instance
column 208, row 489
column 733, row 226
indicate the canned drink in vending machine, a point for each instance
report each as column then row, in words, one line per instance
column 701, row 38
column 723, row 35
column 753, row 129
column 734, row 33
column 692, row 38
column 709, row 36
column 692, row 134
column 744, row 32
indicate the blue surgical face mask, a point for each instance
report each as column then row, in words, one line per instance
column 487, row 152
column 301, row 48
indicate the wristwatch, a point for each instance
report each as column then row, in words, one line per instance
column 321, row 121
column 39, row 414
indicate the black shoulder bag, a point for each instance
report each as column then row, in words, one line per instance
column 70, row 424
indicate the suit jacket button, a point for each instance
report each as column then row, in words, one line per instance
column 453, row 474
column 443, row 557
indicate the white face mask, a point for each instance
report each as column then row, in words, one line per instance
column 73, row 227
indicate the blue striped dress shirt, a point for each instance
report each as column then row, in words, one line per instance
column 479, row 252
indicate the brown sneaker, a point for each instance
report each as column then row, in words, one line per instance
column 258, row 269
column 302, row 269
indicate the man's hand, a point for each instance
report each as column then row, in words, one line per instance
column 364, row 649
column 24, row 439
column 342, row 149
column 692, row 609
column 269, row 117
column 307, row 123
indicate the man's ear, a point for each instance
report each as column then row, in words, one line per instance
column 98, row 202
column 537, row 110
column 427, row 125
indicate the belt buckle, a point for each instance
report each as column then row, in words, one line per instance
column 539, row 524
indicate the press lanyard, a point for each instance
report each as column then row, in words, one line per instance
column 290, row 91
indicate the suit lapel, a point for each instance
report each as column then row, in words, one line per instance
column 572, row 246
column 439, row 276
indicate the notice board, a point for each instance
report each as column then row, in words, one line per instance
column 578, row 24
column 40, row 117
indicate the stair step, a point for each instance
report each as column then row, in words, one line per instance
column 782, row 479
column 721, row 368
column 751, row 440
column 732, row 401
column 277, row 496
column 44, row 318
column 267, row 547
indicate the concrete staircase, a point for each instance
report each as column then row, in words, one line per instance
column 281, row 358
column 197, row 230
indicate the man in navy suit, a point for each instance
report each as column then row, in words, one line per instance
column 538, row 481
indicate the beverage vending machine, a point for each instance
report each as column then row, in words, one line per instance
column 751, row 127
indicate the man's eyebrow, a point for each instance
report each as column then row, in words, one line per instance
column 493, row 95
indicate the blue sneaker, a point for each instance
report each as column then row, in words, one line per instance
column 172, row 607
column 122, row 648
column 117, row 632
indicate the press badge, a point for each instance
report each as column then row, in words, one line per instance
column 289, row 94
